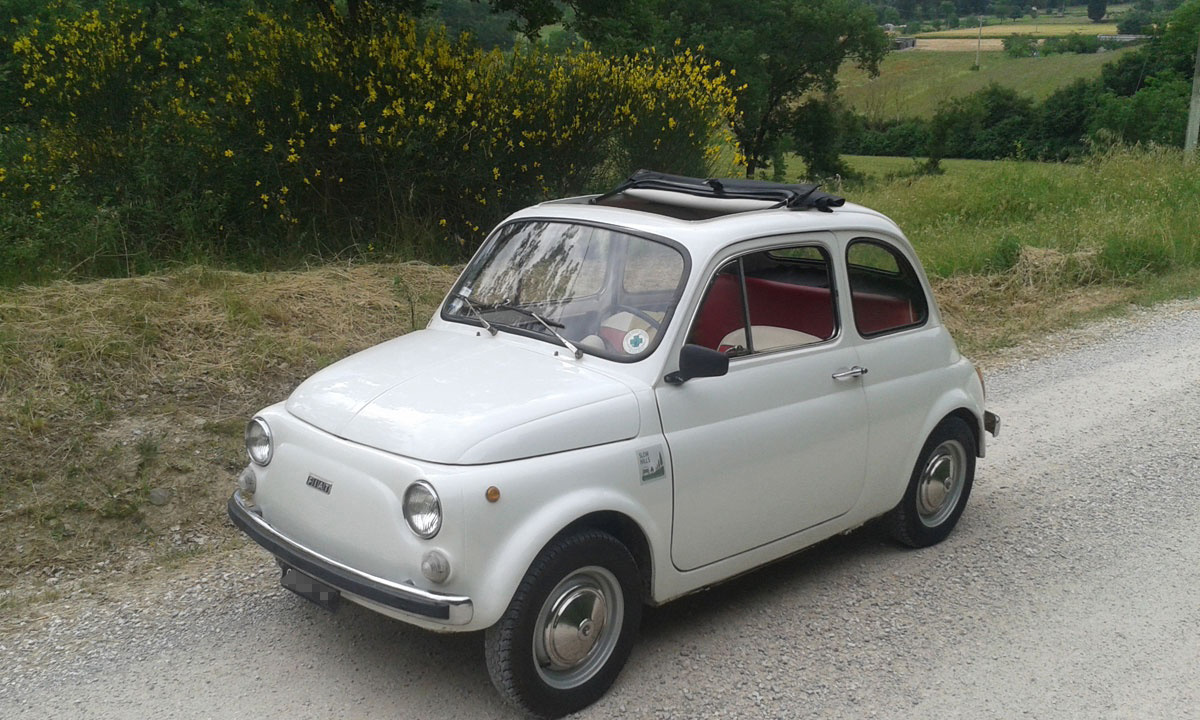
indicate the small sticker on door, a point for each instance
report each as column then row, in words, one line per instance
column 651, row 463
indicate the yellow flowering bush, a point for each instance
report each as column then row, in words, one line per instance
column 291, row 130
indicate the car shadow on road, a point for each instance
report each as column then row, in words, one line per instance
column 411, row 672
column 794, row 574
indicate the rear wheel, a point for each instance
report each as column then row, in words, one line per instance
column 939, row 487
column 570, row 626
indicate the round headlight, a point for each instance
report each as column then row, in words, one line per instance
column 422, row 510
column 258, row 441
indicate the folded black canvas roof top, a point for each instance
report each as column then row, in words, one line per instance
column 791, row 196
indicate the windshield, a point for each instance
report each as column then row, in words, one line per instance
column 605, row 292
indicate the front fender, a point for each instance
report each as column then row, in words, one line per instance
column 505, row 537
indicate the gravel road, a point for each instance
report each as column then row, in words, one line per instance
column 1071, row 589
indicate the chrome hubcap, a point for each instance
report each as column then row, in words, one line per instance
column 578, row 627
column 941, row 483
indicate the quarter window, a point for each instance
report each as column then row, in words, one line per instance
column 885, row 292
column 768, row 300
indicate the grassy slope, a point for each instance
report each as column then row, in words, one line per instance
column 112, row 389
column 913, row 83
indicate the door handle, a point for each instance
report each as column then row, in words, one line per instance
column 850, row 373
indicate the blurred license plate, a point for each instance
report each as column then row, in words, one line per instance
column 309, row 589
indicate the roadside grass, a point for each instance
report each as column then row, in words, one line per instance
column 1017, row 248
column 913, row 84
column 122, row 402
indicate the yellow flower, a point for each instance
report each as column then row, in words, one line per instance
column 228, row 153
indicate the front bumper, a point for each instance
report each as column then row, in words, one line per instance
column 391, row 596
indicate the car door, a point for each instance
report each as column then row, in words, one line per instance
column 891, row 315
column 778, row 444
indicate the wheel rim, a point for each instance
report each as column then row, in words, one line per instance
column 941, row 483
column 578, row 627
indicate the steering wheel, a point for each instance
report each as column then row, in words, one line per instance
column 638, row 312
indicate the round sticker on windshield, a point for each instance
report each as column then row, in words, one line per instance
column 636, row 341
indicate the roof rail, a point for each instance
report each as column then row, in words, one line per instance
column 793, row 197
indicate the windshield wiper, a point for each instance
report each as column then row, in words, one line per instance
column 548, row 324
column 566, row 343
column 478, row 315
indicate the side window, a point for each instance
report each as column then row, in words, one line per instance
column 768, row 300
column 884, row 289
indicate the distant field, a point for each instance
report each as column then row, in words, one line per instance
column 912, row 84
column 1039, row 28
column 959, row 44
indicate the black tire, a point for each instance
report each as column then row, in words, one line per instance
column 931, row 508
column 576, row 578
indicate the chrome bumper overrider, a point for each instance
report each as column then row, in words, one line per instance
column 446, row 609
column 991, row 423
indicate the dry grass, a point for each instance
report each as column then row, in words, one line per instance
column 987, row 313
column 1041, row 28
column 115, row 389
column 959, row 44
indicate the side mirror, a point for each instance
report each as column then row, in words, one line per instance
column 698, row 361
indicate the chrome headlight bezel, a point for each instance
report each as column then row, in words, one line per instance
column 260, row 445
column 422, row 509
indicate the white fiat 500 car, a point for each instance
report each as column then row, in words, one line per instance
column 624, row 399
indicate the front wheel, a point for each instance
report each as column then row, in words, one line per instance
column 570, row 626
column 939, row 487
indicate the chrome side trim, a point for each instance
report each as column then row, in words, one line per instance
column 446, row 609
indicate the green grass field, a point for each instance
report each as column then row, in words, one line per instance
column 1131, row 212
column 913, row 83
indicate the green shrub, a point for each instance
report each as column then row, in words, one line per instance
column 282, row 135
column 1020, row 46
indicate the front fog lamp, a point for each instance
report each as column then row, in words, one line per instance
column 435, row 566
column 247, row 482
column 258, row 441
column 422, row 510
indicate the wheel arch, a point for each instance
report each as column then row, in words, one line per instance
column 973, row 423
column 626, row 530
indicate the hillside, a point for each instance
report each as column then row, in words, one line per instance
column 911, row 83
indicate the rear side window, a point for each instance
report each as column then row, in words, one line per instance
column 768, row 300
column 885, row 292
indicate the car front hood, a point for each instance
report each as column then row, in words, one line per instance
column 463, row 399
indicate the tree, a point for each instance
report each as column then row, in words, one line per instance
column 990, row 124
column 1096, row 10
column 817, row 138
column 778, row 50
column 533, row 15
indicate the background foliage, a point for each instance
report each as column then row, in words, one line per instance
column 207, row 132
